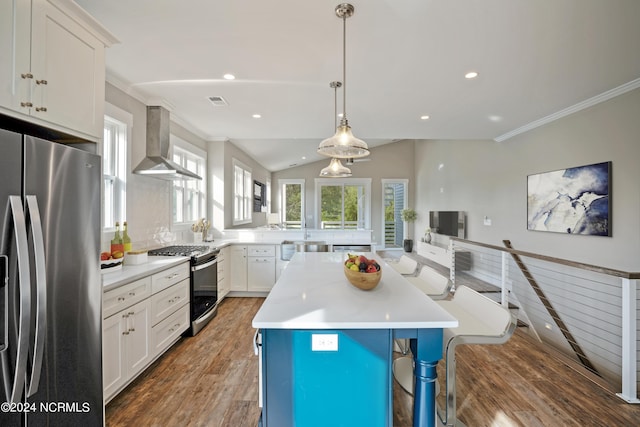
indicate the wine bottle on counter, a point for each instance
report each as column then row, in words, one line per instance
column 116, row 242
column 126, row 240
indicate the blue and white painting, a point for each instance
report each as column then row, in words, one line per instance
column 574, row 201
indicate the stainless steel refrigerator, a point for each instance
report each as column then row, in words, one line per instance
column 50, row 286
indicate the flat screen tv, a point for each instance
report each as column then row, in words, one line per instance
column 449, row 223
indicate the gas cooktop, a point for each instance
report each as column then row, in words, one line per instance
column 182, row 250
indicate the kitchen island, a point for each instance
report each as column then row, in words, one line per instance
column 327, row 346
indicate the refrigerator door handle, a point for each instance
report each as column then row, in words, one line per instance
column 14, row 389
column 33, row 213
column 4, row 357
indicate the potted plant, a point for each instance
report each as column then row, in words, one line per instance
column 408, row 216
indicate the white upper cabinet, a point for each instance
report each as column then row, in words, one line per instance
column 15, row 36
column 54, row 74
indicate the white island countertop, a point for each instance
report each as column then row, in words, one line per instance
column 313, row 293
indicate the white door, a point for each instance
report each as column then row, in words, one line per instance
column 138, row 343
column 261, row 273
column 238, row 267
column 113, row 354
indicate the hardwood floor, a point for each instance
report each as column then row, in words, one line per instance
column 207, row 380
column 211, row 380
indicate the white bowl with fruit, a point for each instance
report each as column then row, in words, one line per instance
column 361, row 272
column 111, row 261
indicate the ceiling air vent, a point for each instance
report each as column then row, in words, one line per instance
column 218, row 101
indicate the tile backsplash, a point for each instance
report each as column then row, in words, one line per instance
column 148, row 214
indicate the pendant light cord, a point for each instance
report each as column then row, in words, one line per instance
column 335, row 105
column 344, row 67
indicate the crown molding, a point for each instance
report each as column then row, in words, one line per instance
column 605, row 96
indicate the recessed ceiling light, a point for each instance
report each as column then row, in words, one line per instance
column 425, row 117
column 229, row 76
column 471, row 75
column 256, row 116
column 304, row 157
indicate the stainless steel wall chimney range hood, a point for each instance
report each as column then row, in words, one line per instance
column 157, row 163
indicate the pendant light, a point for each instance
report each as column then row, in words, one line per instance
column 343, row 144
column 335, row 168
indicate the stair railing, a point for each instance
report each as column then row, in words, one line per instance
column 595, row 308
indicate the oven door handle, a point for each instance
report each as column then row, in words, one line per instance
column 208, row 264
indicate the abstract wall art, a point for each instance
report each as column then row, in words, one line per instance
column 574, row 200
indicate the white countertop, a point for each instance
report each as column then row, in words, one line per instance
column 313, row 293
column 129, row 273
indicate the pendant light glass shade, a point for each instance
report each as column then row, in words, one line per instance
column 343, row 144
column 335, row 170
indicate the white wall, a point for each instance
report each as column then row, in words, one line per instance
column 258, row 173
column 148, row 199
column 486, row 178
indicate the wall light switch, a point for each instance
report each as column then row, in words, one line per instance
column 324, row 342
column 487, row 220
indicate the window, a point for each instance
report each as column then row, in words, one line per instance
column 292, row 202
column 344, row 204
column 242, row 193
column 189, row 195
column 394, row 200
column 117, row 128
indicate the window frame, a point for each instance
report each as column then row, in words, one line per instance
column 384, row 182
column 188, row 152
column 242, row 194
column 365, row 182
column 281, row 185
column 122, row 123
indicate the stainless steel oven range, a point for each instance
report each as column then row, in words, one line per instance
column 203, row 281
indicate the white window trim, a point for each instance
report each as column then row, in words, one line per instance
column 268, row 201
column 125, row 117
column 382, row 213
column 176, row 141
column 281, row 202
column 365, row 182
column 247, row 194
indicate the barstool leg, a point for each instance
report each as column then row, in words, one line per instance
column 450, row 412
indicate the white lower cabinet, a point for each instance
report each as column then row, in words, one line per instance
column 238, row 267
column 125, row 346
column 261, row 268
column 224, row 269
column 252, row 267
column 261, row 273
column 141, row 320
column 168, row 301
column 166, row 332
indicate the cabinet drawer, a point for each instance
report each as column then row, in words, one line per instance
column 165, row 332
column 168, row 277
column 125, row 296
column 262, row 250
column 169, row 300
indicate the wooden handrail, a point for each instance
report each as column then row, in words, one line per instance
column 580, row 265
column 580, row 354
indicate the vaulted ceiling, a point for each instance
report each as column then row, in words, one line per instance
column 405, row 59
